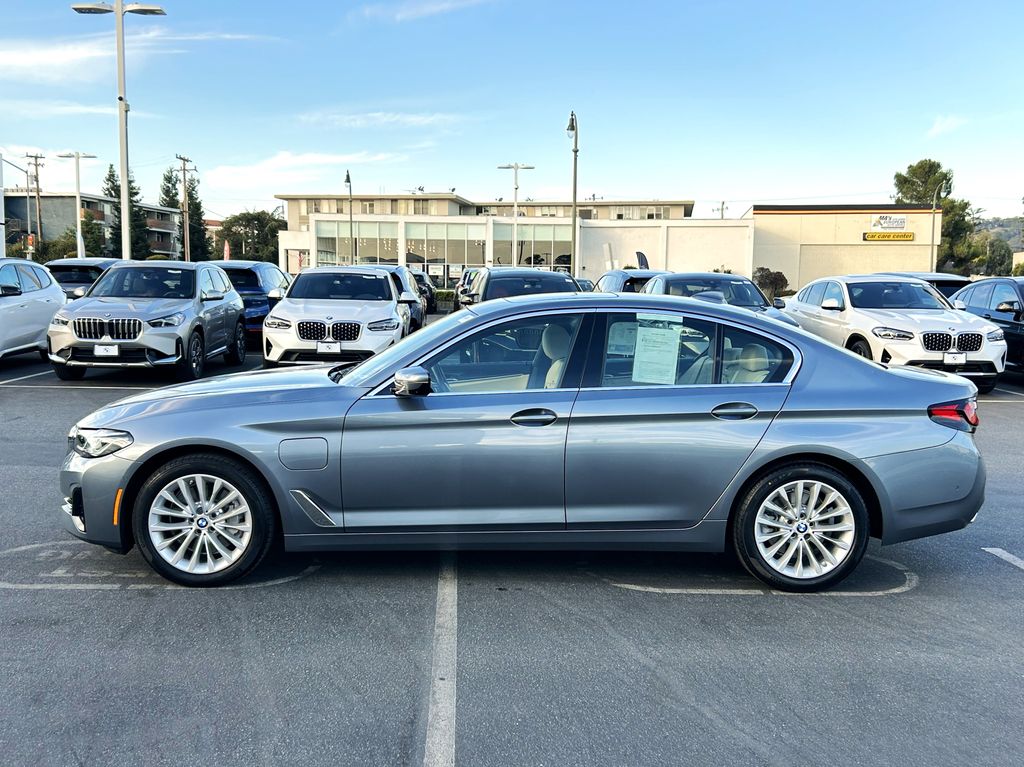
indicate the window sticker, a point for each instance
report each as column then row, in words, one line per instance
column 657, row 354
column 622, row 339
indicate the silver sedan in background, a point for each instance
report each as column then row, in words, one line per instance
column 556, row 421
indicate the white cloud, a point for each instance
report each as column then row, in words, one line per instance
column 287, row 172
column 39, row 110
column 410, row 10
column 945, row 124
column 56, row 174
column 378, row 119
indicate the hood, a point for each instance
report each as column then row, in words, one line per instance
column 775, row 314
column 142, row 308
column 925, row 320
column 314, row 309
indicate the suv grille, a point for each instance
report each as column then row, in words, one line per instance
column 93, row 328
column 968, row 342
column 345, row 331
column 937, row 342
column 312, row 331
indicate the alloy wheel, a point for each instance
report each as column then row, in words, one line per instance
column 200, row 524
column 195, row 355
column 804, row 529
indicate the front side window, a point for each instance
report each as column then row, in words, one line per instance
column 895, row 295
column 521, row 355
column 833, row 290
column 146, row 282
column 206, row 282
column 1002, row 293
column 341, row 287
column 9, row 276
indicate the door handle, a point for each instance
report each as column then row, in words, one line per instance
column 534, row 417
column 986, row 316
column 734, row 411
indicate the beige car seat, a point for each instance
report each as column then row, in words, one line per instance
column 555, row 343
column 752, row 365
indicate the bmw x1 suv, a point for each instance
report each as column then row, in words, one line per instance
column 150, row 314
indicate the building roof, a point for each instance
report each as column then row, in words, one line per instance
column 882, row 208
column 20, row 194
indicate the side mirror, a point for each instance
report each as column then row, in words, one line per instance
column 212, row 295
column 959, row 305
column 778, row 303
column 831, row 305
column 275, row 294
column 408, row 298
column 470, row 298
column 78, row 292
column 10, row 290
column 410, row 382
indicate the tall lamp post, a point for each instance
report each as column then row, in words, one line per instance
column 572, row 132
column 77, row 156
column 935, row 202
column 119, row 9
column 515, row 167
column 351, row 229
column 28, row 204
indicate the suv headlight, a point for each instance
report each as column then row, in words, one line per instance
column 995, row 335
column 60, row 320
column 170, row 321
column 276, row 323
column 893, row 334
column 92, row 443
column 389, row 324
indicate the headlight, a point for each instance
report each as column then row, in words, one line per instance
column 170, row 321
column 60, row 320
column 995, row 335
column 893, row 334
column 276, row 323
column 391, row 324
column 92, row 443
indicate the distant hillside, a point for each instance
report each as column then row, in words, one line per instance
column 1008, row 229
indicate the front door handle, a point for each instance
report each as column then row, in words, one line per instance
column 734, row 411
column 534, row 417
column 986, row 316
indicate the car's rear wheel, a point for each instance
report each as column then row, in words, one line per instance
column 193, row 358
column 802, row 527
column 235, row 355
column 68, row 373
column 861, row 347
column 204, row 520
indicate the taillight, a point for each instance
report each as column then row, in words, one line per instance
column 961, row 414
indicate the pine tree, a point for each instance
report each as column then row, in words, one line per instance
column 139, row 229
column 199, row 245
column 92, row 236
column 169, row 197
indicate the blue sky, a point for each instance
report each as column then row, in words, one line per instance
column 738, row 101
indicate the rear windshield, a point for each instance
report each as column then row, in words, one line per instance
column 523, row 285
column 949, row 288
column 736, row 292
column 146, row 282
column 75, row 274
column 634, row 284
column 341, row 287
column 895, row 295
column 244, row 278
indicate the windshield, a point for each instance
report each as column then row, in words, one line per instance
column 145, row 282
column 244, row 279
column 341, row 286
column 896, row 295
column 524, row 285
column 73, row 274
column 736, row 292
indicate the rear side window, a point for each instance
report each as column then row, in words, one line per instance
column 815, row 293
column 43, row 276
column 965, row 296
column 221, row 281
column 981, row 296
column 750, row 358
column 29, row 279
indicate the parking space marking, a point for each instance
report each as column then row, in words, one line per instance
column 910, row 581
column 1006, row 556
column 72, row 386
column 22, row 378
column 1008, row 391
column 439, row 750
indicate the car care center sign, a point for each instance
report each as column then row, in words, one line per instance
column 889, row 227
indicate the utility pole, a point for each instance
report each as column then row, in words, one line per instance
column 35, row 158
column 184, row 203
column 721, row 210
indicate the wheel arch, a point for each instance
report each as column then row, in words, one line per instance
column 857, row 336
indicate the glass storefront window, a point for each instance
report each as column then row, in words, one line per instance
column 366, row 232
column 476, row 244
column 388, row 243
column 562, row 248
column 503, row 244
column 415, row 243
column 326, row 243
column 435, row 244
column 456, row 244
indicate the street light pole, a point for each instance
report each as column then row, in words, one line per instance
column 932, row 248
column 573, row 132
column 79, row 242
column 351, row 229
column 515, row 167
column 119, row 9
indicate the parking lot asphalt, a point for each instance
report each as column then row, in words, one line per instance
column 498, row 658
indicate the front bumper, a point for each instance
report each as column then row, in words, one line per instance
column 986, row 363
column 153, row 347
column 285, row 346
column 90, row 488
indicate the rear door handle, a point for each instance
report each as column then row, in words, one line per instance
column 734, row 411
column 534, row 417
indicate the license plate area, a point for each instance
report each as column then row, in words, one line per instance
column 105, row 350
column 328, row 347
column 955, row 358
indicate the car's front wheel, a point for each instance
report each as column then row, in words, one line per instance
column 235, row 355
column 861, row 347
column 204, row 520
column 193, row 358
column 987, row 387
column 802, row 527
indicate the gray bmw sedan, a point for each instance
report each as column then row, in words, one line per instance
column 559, row 421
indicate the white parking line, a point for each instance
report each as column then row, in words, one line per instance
column 440, row 745
column 1007, row 391
column 22, row 378
column 57, row 386
column 1006, row 557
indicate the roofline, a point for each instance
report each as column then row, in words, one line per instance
column 883, row 208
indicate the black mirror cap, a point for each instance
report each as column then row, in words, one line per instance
column 10, row 290
column 778, row 303
column 1009, row 306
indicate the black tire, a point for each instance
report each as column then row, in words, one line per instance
column 861, row 347
column 744, row 527
column 253, row 491
column 986, row 387
column 68, row 373
column 44, row 355
column 269, row 364
column 193, row 359
column 235, row 355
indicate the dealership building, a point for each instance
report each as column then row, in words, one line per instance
column 443, row 234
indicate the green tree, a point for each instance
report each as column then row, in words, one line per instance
column 169, row 197
column 772, row 283
column 139, row 230
column 92, row 236
column 917, row 187
column 251, row 235
column 986, row 254
column 64, row 246
column 199, row 245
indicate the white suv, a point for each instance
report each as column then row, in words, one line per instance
column 901, row 321
column 336, row 313
column 29, row 296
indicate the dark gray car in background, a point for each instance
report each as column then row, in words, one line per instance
column 554, row 421
column 719, row 288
